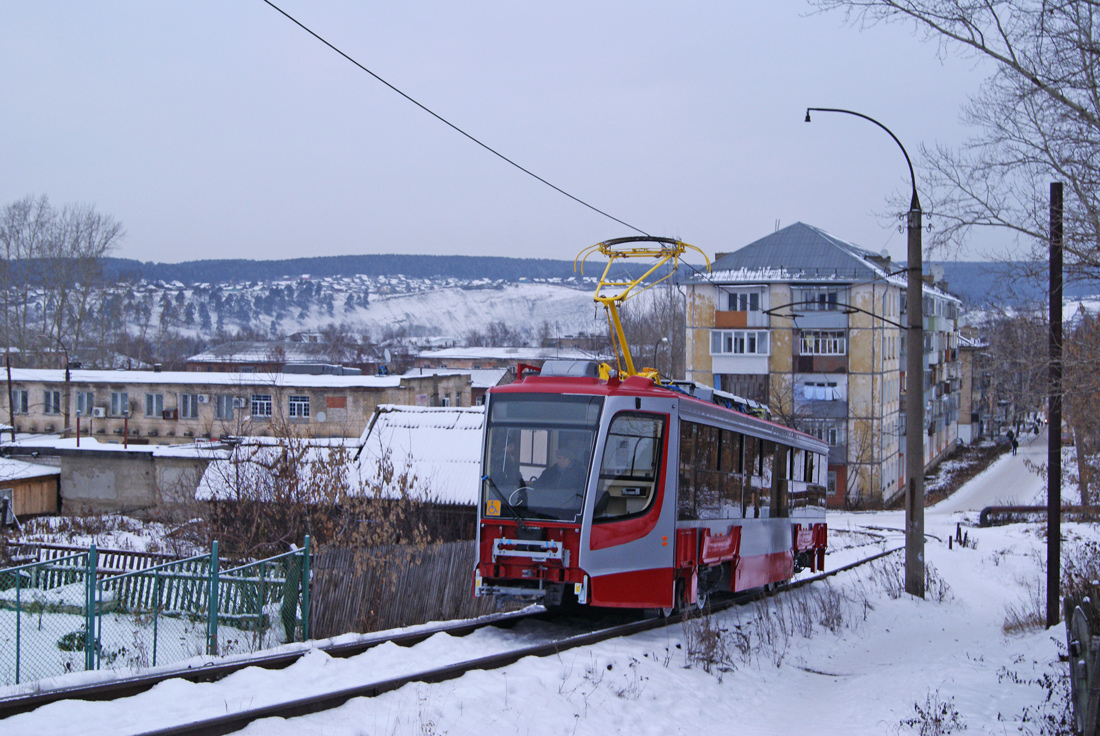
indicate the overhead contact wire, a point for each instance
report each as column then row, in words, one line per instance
column 449, row 124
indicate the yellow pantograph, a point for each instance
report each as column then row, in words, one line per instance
column 611, row 292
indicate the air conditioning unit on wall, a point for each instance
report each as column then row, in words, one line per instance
column 99, row 412
column 204, row 399
column 170, row 414
column 238, row 403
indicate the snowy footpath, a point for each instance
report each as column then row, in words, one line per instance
column 850, row 656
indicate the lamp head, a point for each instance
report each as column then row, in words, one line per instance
column 807, row 114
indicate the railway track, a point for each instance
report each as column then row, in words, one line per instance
column 232, row 722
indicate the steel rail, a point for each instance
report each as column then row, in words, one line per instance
column 214, row 671
column 232, row 722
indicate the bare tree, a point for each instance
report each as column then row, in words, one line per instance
column 651, row 316
column 1018, row 362
column 52, row 271
column 1081, row 402
column 1037, row 118
column 497, row 334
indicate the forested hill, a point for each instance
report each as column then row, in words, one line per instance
column 414, row 266
column 977, row 283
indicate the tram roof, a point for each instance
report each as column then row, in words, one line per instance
column 641, row 386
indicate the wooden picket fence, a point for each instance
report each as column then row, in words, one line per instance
column 110, row 562
column 358, row 590
column 175, row 586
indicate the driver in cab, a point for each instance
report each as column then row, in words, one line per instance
column 566, row 472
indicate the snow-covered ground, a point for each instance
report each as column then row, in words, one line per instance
column 851, row 656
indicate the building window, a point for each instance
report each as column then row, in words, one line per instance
column 445, row 401
column 51, row 401
column 820, row 298
column 744, row 301
column 20, row 400
column 821, row 391
column 189, row 406
column 120, row 403
column 154, row 405
column 223, row 406
column 739, row 342
column 826, row 431
column 298, row 407
column 84, row 402
column 261, row 405
column 824, row 342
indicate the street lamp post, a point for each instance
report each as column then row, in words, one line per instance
column 914, row 382
column 659, row 343
column 68, row 380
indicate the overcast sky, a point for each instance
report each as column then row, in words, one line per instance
column 222, row 130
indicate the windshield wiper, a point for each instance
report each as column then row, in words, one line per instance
column 503, row 500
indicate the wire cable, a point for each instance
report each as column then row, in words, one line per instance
column 448, row 123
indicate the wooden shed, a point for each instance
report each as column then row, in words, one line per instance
column 29, row 488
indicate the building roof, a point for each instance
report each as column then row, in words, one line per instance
column 802, row 253
column 479, row 377
column 12, row 469
column 286, row 351
column 507, row 353
column 199, row 378
column 798, row 252
column 439, row 447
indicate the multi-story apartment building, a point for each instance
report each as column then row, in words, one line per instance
column 174, row 407
column 813, row 326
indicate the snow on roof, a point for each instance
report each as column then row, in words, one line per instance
column 197, row 378
column 285, row 351
column 440, row 445
column 205, row 449
column 508, row 353
column 479, row 377
column 252, row 465
column 808, row 254
column 12, row 469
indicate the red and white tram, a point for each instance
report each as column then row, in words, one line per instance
column 630, row 494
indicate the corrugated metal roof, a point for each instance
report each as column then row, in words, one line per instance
column 798, row 252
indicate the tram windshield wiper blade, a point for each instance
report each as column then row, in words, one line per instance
column 503, row 500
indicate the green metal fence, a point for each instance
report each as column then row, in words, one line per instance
column 57, row 616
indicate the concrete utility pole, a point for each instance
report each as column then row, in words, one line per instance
column 1054, row 427
column 914, row 382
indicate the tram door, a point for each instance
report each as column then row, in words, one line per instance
column 631, row 539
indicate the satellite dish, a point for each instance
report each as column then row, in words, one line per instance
column 387, row 356
column 320, row 416
column 884, row 253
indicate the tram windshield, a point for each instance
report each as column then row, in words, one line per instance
column 538, row 455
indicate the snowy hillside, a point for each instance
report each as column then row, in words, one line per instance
column 455, row 311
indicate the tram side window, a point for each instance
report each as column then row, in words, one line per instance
column 763, row 482
column 732, row 466
column 751, row 497
column 630, row 472
column 782, row 481
column 801, row 492
column 708, row 479
column 685, row 497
